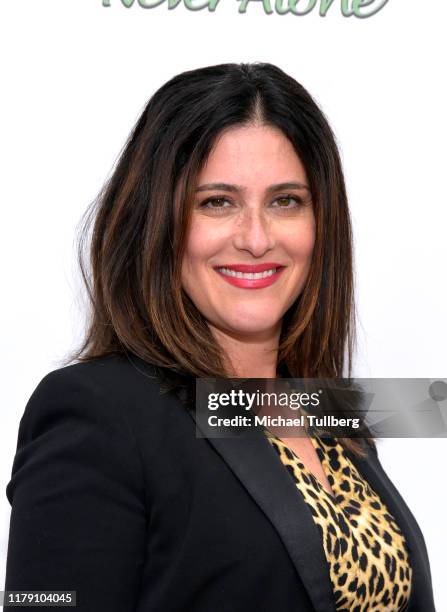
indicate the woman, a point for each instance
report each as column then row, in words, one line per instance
column 221, row 247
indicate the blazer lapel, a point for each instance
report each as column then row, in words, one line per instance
column 421, row 595
column 258, row 467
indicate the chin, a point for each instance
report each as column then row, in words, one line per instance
column 251, row 325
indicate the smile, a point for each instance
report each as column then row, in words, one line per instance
column 251, row 276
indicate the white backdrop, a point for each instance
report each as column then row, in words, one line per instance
column 75, row 76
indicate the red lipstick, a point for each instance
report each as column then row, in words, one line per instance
column 237, row 274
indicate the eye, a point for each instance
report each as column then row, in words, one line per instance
column 215, row 204
column 288, row 201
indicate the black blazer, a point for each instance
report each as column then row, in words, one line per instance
column 113, row 495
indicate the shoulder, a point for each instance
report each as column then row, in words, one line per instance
column 75, row 442
column 112, row 374
column 108, row 390
column 91, row 414
column 115, row 377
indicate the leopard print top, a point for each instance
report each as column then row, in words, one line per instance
column 365, row 549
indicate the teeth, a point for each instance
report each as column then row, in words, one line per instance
column 247, row 275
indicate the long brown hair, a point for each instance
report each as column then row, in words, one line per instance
column 136, row 243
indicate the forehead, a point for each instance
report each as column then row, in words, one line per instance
column 252, row 154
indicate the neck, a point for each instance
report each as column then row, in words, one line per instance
column 250, row 356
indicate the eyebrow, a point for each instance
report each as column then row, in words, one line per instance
column 235, row 188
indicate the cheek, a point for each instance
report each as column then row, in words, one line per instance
column 200, row 247
column 301, row 244
column 308, row 245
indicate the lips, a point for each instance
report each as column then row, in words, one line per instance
column 250, row 276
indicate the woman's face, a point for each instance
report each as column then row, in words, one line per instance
column 252, row 232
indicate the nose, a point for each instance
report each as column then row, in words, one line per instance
column 253, row 233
